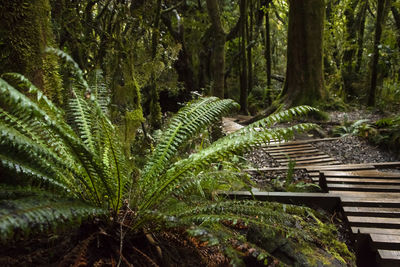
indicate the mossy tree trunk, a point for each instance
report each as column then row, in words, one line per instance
column 380, row 18
column 24, row 34
column 267, row 52
column 218, row 53
column 155, row 109
column 304, row 73
column 249, row 31
column 396, row 16
column 243, row 56
column 348, row 74
column 362, row 15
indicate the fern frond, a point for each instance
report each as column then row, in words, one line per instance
column 188, row 121
column 99, row 89
column 80, row 80
column 21, row 82
column 96, row 176
column 219, row 150
column 285, row 115
column 19, row 217
column 81, row 118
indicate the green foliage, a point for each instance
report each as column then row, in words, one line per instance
column 359, row 127
column 25, row 32
column 81, row 160
column 57, row 172
column 388, row 132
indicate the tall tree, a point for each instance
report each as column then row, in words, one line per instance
column 155, row 109
column 267, row 52
column 304, row 72
column 380, row 18
column 25, row 32
column 243, row 55
column 218, row 54
column 348, row 73
column 361, row 17
column 250, row 36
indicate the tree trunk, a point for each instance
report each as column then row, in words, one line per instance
column 362, row 15
column 267, row 52
column 155, row 109
column 243, row 76
column 218, row 54
column 375, row 57
column 304, row 75
column 24, row 34
column 249, row 30
column 396, row 17
column 348, row 73
column 183, row 65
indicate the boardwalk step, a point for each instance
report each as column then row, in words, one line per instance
column 389, row 257
column 361, row 174
column 374, row 230
column 370, row 198
column 364, row 187
column 314, row 161
column 374, row 222
column 341, row 167
column 373, row 181
column 298, row 159
column 292, row 151
column 370, row 202
column 297, row 154
column 289, row 147
column 382, row 241
column 372, row 211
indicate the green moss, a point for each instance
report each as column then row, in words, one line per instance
column 25, row 32
column 325, row 235
column 310, row 242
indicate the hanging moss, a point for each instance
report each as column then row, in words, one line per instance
column 24, row 34
column 129, row 114
column 155, row 108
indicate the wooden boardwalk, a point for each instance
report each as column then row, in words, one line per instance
column 369, row 198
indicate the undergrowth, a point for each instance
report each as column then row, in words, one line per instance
column 61, row 168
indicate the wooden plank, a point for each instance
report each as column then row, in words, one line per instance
column 292, row 151
column 272, row 169
column 351, row 200
column 313, row 173
column 382, row 241
column 392, row 255
column 298, row 154
column 363, row 181
column 308, row 141
column 289, row 148
column 322, row 163
column 298, row 159
column 323, row 200
column 371, row 211
column 341, row 167
column 362, row 173
column 374, row 222
column 372, row 195
column 374, row 230
column 384, row 165
column 313, row 161
column 364, row 187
